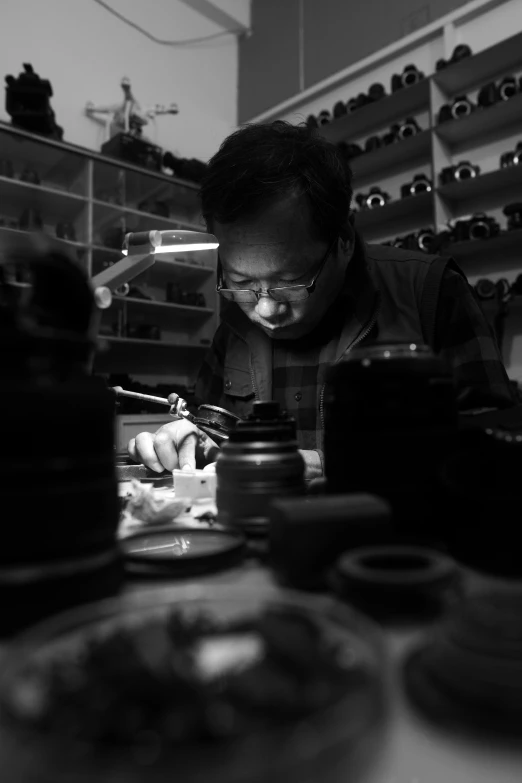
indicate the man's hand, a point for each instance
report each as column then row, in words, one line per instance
column 178, row 444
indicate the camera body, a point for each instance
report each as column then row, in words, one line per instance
column 511, row 158
column 494, row 92
column 410, row 76
column 420, row 240
column 420, row 184
column 460, row 52
column 324, row 117
column 459, row 172
column 479, row 226
column 374, row 199
column 513, row 212
column 349, row 150
column 27, row 101
column 462, row 106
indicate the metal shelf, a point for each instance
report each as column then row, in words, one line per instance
column 482, row 122
column 418, row 208
column 54, row 205
column 506, row 240
column 67, row 242
column 160, row 223
column 187, row 311
column 482, row 67
column 491, row 182
column 377, row 161
column 92, row 155
column 398, row 105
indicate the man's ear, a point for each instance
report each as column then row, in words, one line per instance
column 348, row 235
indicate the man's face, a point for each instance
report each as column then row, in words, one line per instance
column 274, row 249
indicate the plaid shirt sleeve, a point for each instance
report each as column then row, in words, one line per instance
column 468, row 343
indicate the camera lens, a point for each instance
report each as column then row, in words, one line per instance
column 375, row 200
column 259, row 462
column 479, row 229
column 390, row 418
column 464, row 171
column 460, row 108
column 508, row 90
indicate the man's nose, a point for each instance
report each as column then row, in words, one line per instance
column 268, row 308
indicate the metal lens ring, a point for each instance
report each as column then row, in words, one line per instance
column 375, row 200
column 508, row 90
column 460, row 109
column 464, row 171
column 420, row 186
column 424, row 240
column 479, row 230
column 407, row 130
column 409, row 78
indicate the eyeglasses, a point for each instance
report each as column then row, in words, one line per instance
column 288, row 293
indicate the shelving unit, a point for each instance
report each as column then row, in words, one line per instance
column 480, row 138
column 103, row 198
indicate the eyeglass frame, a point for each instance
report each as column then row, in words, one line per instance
column 310, row 288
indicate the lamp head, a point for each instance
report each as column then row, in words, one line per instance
column 153, row 242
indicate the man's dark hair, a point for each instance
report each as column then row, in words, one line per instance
column 262, row 163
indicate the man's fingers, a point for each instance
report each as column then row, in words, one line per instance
column 187, row 451
column 165, row 449
column 131, row 449
column 146, row 453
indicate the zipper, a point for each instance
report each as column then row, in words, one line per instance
column 252, row 376
column 359, row 339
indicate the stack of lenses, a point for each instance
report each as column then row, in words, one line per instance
column 57, row 476
column 390, row 420
column 259, row 462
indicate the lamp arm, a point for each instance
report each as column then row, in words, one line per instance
column 122, row 271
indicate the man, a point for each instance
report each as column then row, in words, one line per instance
column 302, row 288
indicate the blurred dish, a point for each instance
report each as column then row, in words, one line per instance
column 240, row 688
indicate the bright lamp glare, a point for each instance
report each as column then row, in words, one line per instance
column 185, row 248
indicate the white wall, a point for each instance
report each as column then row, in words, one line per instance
column 85, row 51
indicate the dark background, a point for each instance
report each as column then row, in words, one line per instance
column 337, row 34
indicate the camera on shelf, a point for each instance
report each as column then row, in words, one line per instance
column 420, row 184
column 492, row 92
column 513, row 212
column 27, row 102
column 459, row 172
column 512, row 158
column 460, row 52
column 461, row 107
column 31, row 220
column 421, row 240
column 66, row 231
column 399, row 132
column 349, row 150
column 324, row 117
column 410, row 75
column 357, row 103
column 490, row 289
column 375, row 198
column 30, row 175
column 376, row 92
column 479, row 226
column 339, row 110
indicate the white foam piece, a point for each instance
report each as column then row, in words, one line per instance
column 194, row 484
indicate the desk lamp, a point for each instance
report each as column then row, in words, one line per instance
column 139, row 251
